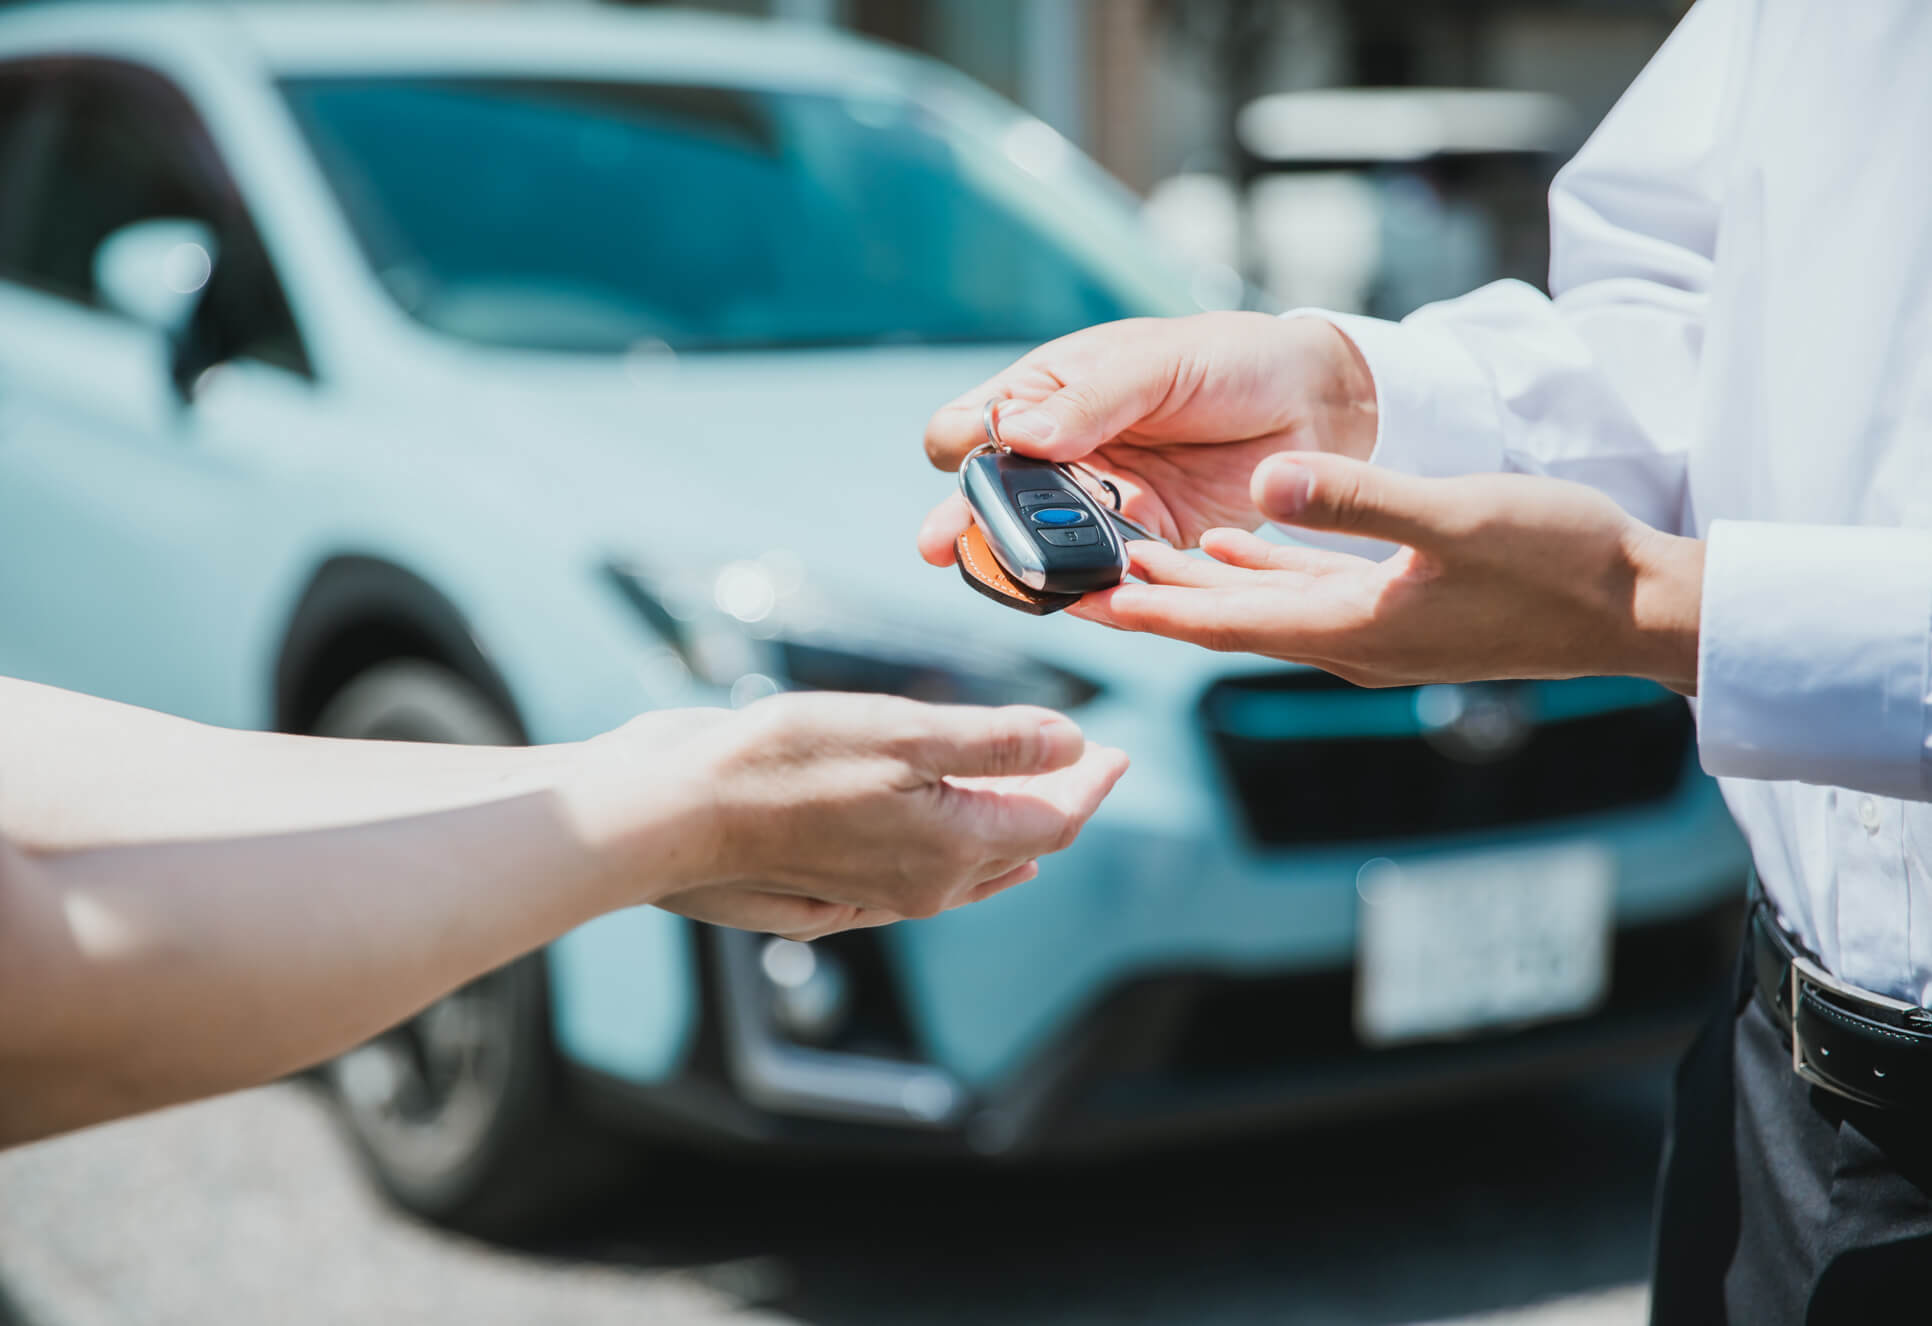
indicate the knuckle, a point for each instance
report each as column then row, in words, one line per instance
column 1223, row 638
column 890, row 712
column 1346, row 501
column 938, row 452
column 1007, row 751
column 1480, row 526
column 807, row 718
column 924, row 902
column 1079, row 406
column 958, row 859
column 781, row 713
column 915, row 890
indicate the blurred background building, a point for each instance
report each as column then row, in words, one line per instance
column 1154, row 90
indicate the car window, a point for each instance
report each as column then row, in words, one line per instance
column 127, row 147
column 595, row 216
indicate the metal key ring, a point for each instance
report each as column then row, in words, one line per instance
column 990, row 422
column 992, row 443
column 1113, row 490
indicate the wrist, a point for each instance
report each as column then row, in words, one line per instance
column 535, row 768
column 1666, row 606
column 650, row 819
column 1343, row 411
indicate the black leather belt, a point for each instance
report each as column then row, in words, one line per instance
column 1857, row 1044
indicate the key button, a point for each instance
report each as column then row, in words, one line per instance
column 1054, row 516
column 1071, row 538
column 1042, row 496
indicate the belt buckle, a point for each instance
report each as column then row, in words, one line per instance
column 1805, row 972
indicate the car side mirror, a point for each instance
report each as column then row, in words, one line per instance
column 156, row 271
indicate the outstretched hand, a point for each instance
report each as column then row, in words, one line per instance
column 1495, row 576
column 828, row 811
column 1177, row 412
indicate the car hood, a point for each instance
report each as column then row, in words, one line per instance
column 681, row 465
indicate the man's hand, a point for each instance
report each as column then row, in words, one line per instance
column 1176, row 411
column 1497, row 576
column 823, row 812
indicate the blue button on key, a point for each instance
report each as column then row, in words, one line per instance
column 1058, row 515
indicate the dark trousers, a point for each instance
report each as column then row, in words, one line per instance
column 1782, row 1203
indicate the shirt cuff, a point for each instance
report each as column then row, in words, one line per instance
column 1436, row 411
column 1812, row 655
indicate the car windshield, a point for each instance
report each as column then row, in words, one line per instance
column 599, row 216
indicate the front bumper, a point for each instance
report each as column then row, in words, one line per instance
column 1186, row 966
column 1184, row 1054
column 1193, row 1055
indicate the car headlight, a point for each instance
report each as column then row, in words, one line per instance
column 890, row 669
column 751, row 634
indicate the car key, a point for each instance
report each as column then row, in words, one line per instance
column 1039, row 539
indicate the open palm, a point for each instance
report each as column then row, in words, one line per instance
column 1494, row 576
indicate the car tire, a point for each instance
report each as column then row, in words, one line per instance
column 457, row 1112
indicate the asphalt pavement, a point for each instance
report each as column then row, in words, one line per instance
column 1534, row 1210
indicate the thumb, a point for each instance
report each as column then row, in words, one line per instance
column 1080, row 417
column 965, row 741
column 1070, row 396
column 1074, row 421
column 1317, row 491
column 1122, row 376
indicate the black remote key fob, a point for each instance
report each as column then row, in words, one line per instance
column 1041, row 526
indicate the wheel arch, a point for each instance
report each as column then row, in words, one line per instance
column 359, row 610
column 621, row 991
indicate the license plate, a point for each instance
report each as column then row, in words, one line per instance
column 1455, row 946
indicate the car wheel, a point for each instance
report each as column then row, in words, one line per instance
column 456, row 1112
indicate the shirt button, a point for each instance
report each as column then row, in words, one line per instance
column 1868, row 814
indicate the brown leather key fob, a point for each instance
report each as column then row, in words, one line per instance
column 979, row 568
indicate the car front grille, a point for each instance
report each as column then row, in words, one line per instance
column 1313, row 759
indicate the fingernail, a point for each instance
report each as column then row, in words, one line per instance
column 1034, row 426
column 1288, row 490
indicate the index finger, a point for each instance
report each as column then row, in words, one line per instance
column 1228, row 619
column 941, row 530
column 1042, row 814
column 965, row 741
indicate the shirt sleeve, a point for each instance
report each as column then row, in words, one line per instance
column 1815, row 649
column 1813, row 655
column 1598, row 383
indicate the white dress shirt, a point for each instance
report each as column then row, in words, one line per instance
column 1740, row 347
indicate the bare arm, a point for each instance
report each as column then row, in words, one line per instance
column 134, row 976
column 215, row 909
column 76, row 771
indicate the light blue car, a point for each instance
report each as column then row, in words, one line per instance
column 493, row 376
